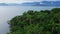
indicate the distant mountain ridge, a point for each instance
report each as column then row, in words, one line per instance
column 42, row 3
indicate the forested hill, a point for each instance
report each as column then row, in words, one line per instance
column 36, row 22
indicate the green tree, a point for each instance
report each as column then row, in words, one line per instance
column 36, row 22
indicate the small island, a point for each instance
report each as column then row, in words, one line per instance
column 36, row 22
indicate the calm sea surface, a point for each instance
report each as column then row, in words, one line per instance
column 8, row 12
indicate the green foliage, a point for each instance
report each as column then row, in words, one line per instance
column 36, row 22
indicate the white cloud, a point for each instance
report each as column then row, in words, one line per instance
column 19, row 1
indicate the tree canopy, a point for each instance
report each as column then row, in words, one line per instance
column 36, row 22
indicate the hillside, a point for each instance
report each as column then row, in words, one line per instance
column 36, row 22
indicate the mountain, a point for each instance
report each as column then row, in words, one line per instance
column 31, row 3
column 9, row 4
column 50, row 3
column 42, row 3
column 3, row 4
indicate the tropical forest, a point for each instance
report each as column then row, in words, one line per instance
column 36, row 22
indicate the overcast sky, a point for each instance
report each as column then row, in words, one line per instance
column 19, row 1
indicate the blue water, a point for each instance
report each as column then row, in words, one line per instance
column 8, row 12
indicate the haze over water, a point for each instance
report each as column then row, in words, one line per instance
column 8, row 12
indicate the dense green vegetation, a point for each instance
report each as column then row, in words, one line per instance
column 36, row 22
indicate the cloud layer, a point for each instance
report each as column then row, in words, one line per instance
column 19, row 1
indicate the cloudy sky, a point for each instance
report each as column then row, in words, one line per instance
column 19, row 1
